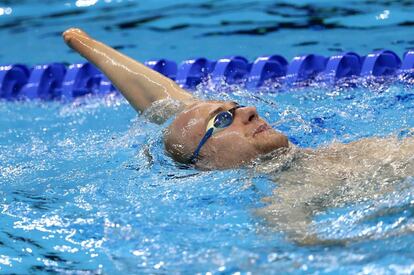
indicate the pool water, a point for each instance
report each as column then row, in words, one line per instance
column 86, row 187
column 213, row 29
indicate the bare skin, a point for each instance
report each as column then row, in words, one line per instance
column 334, row 176
column 142, row 86
column 246, row 138
column 309, row 180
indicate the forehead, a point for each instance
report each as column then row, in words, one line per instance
column 198, row 113
column 206, row 107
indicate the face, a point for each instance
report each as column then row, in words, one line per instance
column 247, row 137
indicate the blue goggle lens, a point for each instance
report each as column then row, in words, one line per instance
column 223, row 119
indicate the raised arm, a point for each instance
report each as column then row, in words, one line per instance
column 139, row 84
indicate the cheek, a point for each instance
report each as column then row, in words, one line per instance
column 233, row 144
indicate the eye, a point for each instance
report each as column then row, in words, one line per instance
column 223, row 119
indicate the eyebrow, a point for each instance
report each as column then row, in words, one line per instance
column 213, row 113
column 218, row 110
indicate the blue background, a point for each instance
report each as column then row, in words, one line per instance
column 85, row 186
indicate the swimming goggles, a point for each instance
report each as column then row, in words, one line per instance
column 216, row 124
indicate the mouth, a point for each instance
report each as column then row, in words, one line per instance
column 262, row 128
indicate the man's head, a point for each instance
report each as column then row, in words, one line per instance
column 246, row 138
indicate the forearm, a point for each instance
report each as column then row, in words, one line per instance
column 139, row 84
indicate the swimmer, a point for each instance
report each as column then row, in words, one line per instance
column 223, row 135
column 203, row 130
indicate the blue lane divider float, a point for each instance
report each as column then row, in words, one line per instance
column 61, row 82
column 381, row 63
column 82, row 79
column 164, row 67
column 408, row 63
column 232, row 69
column 44, row 82
column 305, row 67
column 266, row 68
column 342, row 65
column 192, row 72
column 12, row 79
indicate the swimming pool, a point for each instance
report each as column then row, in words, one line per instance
column 86, row 187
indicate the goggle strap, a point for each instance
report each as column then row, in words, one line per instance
column 208, row 134
column 210, row 130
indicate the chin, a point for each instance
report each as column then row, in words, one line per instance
column 283, row 140
column 272, row 141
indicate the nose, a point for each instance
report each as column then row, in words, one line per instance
column 247, row 114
